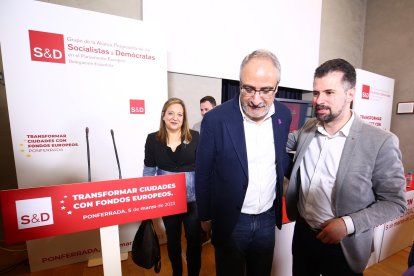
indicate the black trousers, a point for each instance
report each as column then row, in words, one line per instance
column 192, row 228
column 312, row 257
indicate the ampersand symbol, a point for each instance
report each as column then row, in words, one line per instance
column 35, row 219
column 47, row 53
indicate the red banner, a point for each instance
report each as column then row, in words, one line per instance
column 41, row 212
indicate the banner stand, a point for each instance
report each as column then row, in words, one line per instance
column 78, row 207
column 111, row 256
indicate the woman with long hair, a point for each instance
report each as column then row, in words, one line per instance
column 172, row 149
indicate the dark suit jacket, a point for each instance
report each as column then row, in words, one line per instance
column 221, row 166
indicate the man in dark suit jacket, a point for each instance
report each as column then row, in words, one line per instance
column 240, row 165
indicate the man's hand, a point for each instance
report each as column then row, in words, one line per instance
column 206, row 226
column 333, row 231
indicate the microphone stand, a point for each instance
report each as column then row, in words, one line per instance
column 105, row 231
column 116, row 154
column 88, row 154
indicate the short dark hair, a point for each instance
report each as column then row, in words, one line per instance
column 339, row 65
column 208, row 99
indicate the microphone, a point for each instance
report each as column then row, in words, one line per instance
column 116, row 154
column 88, row 154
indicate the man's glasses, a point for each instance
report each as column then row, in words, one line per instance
column 251, row 91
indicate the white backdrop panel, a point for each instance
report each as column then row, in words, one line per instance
column 93, row 89
column 373, row 98
column 210, row 38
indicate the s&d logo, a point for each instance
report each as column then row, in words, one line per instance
column 34, row 212
column 47, row 47
column 136, row 106
column 365, row 91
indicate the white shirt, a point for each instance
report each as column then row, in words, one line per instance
column 318, row 175
column 261, row 160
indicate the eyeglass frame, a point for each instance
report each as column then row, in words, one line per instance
column 262, row 93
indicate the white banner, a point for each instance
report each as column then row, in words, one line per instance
column 398, row 232
column 216, row 35
column 373, row 98
column 69, row 70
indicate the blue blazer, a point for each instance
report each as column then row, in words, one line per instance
column 221, row 166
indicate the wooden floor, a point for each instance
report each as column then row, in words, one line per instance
column 15, row 263
column 394, row 265
column 17, row 260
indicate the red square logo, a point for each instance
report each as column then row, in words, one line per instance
column 137, row 106
column 47, row 47
column 365, row 91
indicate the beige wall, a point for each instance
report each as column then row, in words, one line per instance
column 342, row 30
column 191, row 89
column 388, row 50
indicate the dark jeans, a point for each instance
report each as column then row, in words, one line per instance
column 249, row 250
column 192, row 228
column 314, row 258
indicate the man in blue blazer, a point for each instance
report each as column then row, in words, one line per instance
column 347, row 178
column 240, row 165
